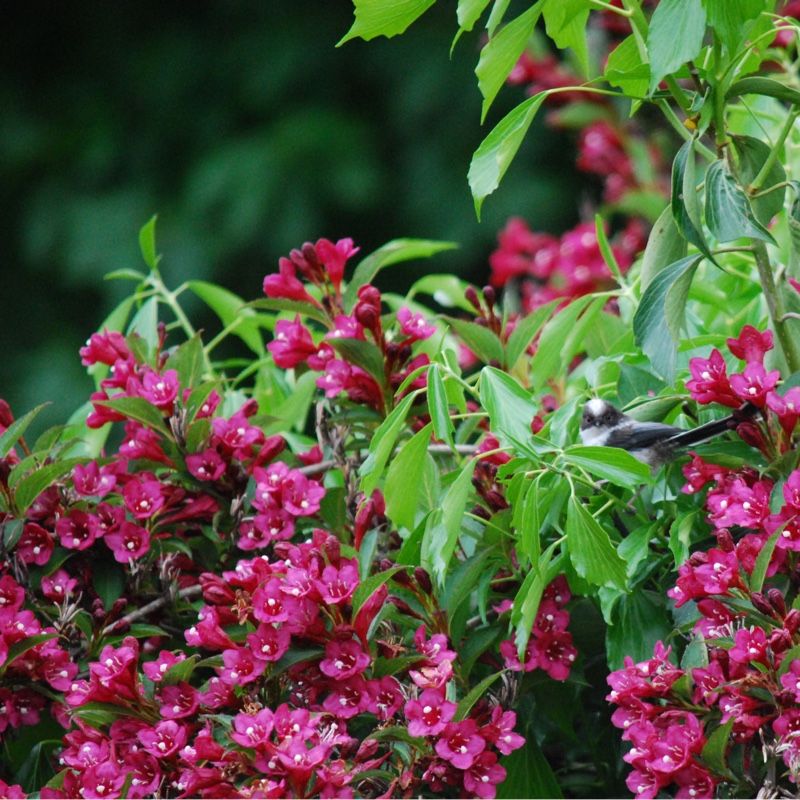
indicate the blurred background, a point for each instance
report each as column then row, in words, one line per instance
column 248, row 132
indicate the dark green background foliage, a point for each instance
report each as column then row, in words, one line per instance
column 244, row 128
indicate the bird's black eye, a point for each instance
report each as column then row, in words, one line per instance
column 608, row 418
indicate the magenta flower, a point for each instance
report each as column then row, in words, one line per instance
column 348, row 697
column 269, row 643
column 749, row 645
column 78, row 530
column 103, row 780
column 253, row 730
column 292, row 344
column 345, row 327
column 460, row 743
column 129, row 541
column 754, row 383
column 429, row 715
column 710, row 382
column 36, row 545
column 301, row 496
column 143, row 498
column 482, row 777
column 104, row 348
column 93, row 480
column 285, row 285
column 236, row 433
column 344, row 659
column 160, row 390
column 241, row 666
column 334, row 257
column 336, row 586
column 206, row 466
column 58, row 586
column 164, row 739
column 751, row 345
column 414, row 326
column 386, row 697
column 155, row 669
column 556, row 654
column 500, row 731
column 786, row 408
column 178, row 701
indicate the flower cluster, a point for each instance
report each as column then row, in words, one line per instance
column 549, row 268
column 322, row 266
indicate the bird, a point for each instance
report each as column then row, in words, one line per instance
column 653, row 443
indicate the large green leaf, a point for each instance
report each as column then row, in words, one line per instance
column 591, row 552
column 611, row 463
column 16, row 430
column 483, row 342
column 502, row 52
column 382, row 444
column 32, row 485
column 139, row 409
column 674, row 37
column 510, row 408
column 384, row 17
column 659, row 313
column 729, row 215
column 469, row 12
column 147, row 243
column 453, row 509
column 230, row 308
column 753, row 154
column 394, row 252
column 525, row 331
column 439, row 407
column 665, row 246
column 528, row 774
column 639, row 621
column 626, row 69
column 404, row 479
column 766, row 86
column 685, row 205
column 566, row 26
column 361, row 353
column 732, row 19
column 496, row 152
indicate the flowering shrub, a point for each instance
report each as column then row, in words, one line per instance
column 362, row 555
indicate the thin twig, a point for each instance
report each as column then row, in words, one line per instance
column 184, row 594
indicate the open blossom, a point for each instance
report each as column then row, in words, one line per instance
column 710, row 383
column 292, row 344
column 751, row 345
column 754, row 383
column 429, row 715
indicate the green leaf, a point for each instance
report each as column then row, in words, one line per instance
column 674, row 37
column 293, row 306
column 453, row 509
column 652, row 328
column 639, row 620
column 230, row 308
column 510, row 407
column 716, row 748
column 147, row 243
column 611, row 463
column 528, row 774
column 439, row 407
column 565, row 21
column 366, row 355
column 16, row 430
column 685, row 205
column 665, row 246
column 109, row 582
column 370, row 585
column 483, row 342
column 762, row 561
column 139, row 409
column 626, row 69
column 382, row 444
column 730, row 19
column 496, row 152
column 394, row 252
column 384, row 17
column 591, row 552
column 145, row 323
column 496, row 16
column 562, row 338
column 729, row 215
column 501, row 53
column 753, row 154
column 446, row 290
column 32, row 485
column 23, row 645
column 404, row 479
column 529, row 596
column 525, row 332
column 469, row 12
column 764, row 86
column 189, row 361
column 475, row 694
column 530, row 523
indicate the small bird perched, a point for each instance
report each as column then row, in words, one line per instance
column 654, row 443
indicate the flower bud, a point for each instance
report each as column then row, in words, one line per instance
column 760, row 603
column 310, row 255
column 423, row 579
column 6, row 417
column 215, row 591
column 725, row 540
column 791, row 621
column 780, row 640
column 481, row 512
column 489, row 296
column 402, row 577
column 471, row 297
column 778, row 601
column 404, row 608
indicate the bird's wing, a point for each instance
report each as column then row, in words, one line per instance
column 641, row 435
